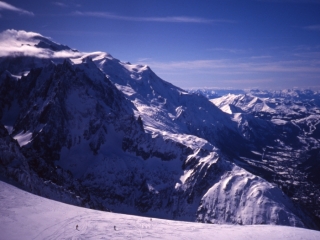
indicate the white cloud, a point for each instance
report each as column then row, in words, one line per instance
column 176, row 19
column 144, row 59
column 10, row 36
column 238, row 66
column 261, row 57
column 230, row 50
column 16, row 43
column 60, row 4
column 7, row 6
column 313, row 27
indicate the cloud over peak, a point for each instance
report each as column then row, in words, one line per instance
column 16, row 43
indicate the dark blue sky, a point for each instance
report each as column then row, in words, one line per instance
column 203, row 43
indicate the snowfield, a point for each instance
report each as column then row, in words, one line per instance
column 27, row 216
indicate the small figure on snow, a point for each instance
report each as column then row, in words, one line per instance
column 150, row 219
column 77, row 227
column 115, row 228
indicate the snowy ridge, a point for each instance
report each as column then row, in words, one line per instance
column 288, row 103
column 239, row 195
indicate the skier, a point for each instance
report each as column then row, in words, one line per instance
column 115, row 228
column 77, row 227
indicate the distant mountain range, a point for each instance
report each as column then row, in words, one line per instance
column 286, row 126
column 90, row 130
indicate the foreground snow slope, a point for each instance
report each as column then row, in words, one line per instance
column 27, row 216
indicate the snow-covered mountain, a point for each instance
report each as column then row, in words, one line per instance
column 114, row 136
column 286, row 104
column 288, row 123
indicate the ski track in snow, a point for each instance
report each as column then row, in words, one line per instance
column 27, row 216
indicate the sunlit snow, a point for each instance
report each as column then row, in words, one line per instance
column 23, row 138
column 27, row 216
